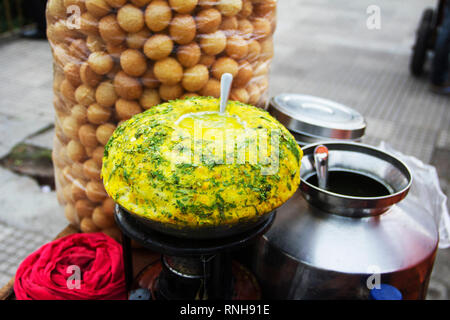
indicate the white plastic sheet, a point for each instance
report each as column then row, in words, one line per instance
column 426, row 192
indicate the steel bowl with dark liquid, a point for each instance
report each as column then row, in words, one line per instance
column 336, row 243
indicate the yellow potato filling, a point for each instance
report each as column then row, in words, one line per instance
column 185, row 163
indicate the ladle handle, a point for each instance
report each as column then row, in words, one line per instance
column 225, row 87
column 321, row 164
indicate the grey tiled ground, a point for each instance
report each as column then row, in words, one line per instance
column 322, row 47
column 15, row 243
column 29, row 217
column 25, row 91
column 335, row 56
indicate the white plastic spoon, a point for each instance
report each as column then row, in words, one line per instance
column 225, row 86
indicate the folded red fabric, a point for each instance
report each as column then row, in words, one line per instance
column 50, row 273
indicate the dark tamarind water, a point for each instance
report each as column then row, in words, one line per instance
column 352, row 184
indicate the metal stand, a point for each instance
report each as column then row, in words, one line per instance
column 191, row 269
column 127, row 261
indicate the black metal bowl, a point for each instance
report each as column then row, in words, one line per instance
column 198, row 232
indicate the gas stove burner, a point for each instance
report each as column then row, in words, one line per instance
column 244, row 284
column 190, row 268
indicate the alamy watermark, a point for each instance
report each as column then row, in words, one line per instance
column 374, row 280
column 373, row 21
column 74, row 280
column 73, row 21
column 211, row 146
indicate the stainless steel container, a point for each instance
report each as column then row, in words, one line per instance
column 311, row 119
column 325, row 245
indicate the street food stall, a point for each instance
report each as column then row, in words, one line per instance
column 167, row 142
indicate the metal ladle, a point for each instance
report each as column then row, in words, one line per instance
column 321, row 164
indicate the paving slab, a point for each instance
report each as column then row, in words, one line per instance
column 25, row 91
column 324, row 48
column 26, row 206
column 29, row 218
column 42, row 139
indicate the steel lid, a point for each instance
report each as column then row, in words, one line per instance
column 317, row 117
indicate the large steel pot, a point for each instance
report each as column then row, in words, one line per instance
column 324, row 245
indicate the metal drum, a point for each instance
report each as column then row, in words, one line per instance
column 312, row 119
column 331, row 245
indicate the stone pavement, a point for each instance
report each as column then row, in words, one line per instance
column 29, row 216
column 322, row 47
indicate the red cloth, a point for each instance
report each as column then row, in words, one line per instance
column 43, row 274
